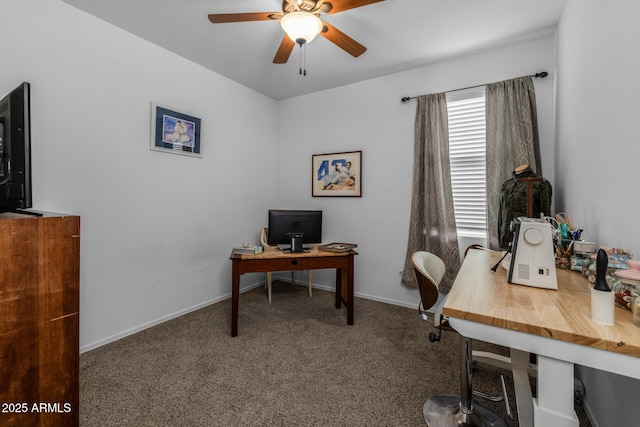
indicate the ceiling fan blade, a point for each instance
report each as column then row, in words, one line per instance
column 342, row 5
column 284, row 51
column 342, row 40
column 221, row 18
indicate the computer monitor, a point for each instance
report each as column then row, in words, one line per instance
column 283, row 223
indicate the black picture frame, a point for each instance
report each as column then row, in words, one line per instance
column 175, row 132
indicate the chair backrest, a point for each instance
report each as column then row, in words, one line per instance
column 264, row 237
column 429, row 270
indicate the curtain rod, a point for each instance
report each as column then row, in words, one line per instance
column 541, row 75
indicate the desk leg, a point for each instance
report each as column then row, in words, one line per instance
column 235, row 298
column 554, row 404
column 344, row 289
column 524, row 398
column 349, row 298
column 339, row 281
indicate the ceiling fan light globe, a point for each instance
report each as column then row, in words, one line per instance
column 303, row 26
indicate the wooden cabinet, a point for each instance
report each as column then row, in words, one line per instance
column 39, row 324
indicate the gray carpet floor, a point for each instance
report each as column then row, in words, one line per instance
column 295, row 362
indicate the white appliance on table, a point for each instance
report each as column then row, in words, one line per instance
column 533, row 260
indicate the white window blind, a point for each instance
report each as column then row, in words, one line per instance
column 467, row 152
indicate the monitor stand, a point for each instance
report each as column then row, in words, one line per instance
column 288, row 251
column 286, row 247
column 20, row 211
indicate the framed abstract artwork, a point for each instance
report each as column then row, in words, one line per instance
column 336, row 174
column 174, row 132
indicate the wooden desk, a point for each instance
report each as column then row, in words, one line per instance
column 275, row 260
column 555, row 325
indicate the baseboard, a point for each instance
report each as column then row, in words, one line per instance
column 187, row 310
column 162, row 319
column 332, row 288
column 366, row 296
column 387, row 300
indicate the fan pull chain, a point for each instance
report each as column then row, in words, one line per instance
column 303, row 60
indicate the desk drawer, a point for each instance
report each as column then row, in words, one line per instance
column 287, row 264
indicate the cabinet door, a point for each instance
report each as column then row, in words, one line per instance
column 39, row 326
column 39, row 270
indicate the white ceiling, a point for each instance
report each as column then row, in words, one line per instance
column 399, row 35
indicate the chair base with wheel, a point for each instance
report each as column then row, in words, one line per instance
column 448, row 410
column 445, row 410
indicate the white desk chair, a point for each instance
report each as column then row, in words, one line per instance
column 445, row 410
column 263, row 240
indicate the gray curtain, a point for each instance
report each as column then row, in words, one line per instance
column 433, row 226
column 512, row 140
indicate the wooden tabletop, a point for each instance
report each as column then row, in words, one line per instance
column 482, row 296
column 273, row 252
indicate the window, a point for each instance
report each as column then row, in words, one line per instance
column 467, row 152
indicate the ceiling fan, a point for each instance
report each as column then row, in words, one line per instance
column 300, row 19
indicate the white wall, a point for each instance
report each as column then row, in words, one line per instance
column 157, row 228
column 597, row 154
column 369, row 116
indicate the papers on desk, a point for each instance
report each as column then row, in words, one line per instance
column 246, row 249
column 338, row 247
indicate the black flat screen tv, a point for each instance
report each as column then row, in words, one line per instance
column 15, row 150
column 282, row 223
